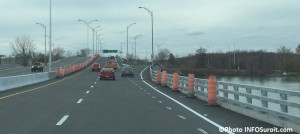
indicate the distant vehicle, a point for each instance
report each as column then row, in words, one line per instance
column 107, row 73
column 112, row 57
column 127, row 71
column 96, row 67
column 111, row 63
column 37, row 66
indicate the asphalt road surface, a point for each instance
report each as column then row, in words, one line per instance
column 82, row 104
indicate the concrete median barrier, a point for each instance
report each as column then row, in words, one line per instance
column 11, row 82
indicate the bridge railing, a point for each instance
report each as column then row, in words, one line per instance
column 170, row 80
column 277, row 103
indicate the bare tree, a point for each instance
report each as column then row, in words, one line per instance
column 298, row 49
column 85, row 52
column 284, row 50
column 163, row 54
column 58, row 53
column 69, row 54
column 23, row 47
column 201, row 50
column 171, row 59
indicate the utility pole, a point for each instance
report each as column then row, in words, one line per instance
column 50, row 39
column 234, row 54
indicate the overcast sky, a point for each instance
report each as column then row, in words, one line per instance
column 182, row 25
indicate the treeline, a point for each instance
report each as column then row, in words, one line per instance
column 24, row 53
column 238, row 62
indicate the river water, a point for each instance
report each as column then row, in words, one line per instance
column 285, row 83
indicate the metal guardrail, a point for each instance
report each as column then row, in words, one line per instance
column 283, row 104
column 278, row 102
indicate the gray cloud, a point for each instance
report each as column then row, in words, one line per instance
column 195, row 33
column 251, row 36
column 251, row 24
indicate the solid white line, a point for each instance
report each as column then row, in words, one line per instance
column 87, row 92
column 202, row 131
column 184, row 106
column 79, row 101
column 182, row 117
column 62, row 120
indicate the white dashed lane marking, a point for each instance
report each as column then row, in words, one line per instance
column 79, row 101
column 169, row 108
column 87, row 92
column 202, row 131
column 181, row 117
column 160, row 102
column 62, row 120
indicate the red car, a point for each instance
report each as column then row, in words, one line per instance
column 107, row 73
column 96, row 67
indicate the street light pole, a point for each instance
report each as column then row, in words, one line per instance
column 45, row 40
column 50, row 35
column 158, row 45
column 93, row 29
column 97, row 40
column 88, row 26
column 127, row 54
column 151, row 13
column 135, row 44
column 100, row 46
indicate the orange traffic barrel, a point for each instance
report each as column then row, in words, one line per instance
column 59, row 72
column 190, row 85
column 66, row 70
column 164, row 78
column 175, row 82
column 158, row 77
column 212, row 91
column 73, row 68
column 70, row 69
column 76, row 67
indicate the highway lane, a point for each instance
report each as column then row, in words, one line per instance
column 81, row 104
column 36, row 111
column 107, row 106
column 14, row 71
